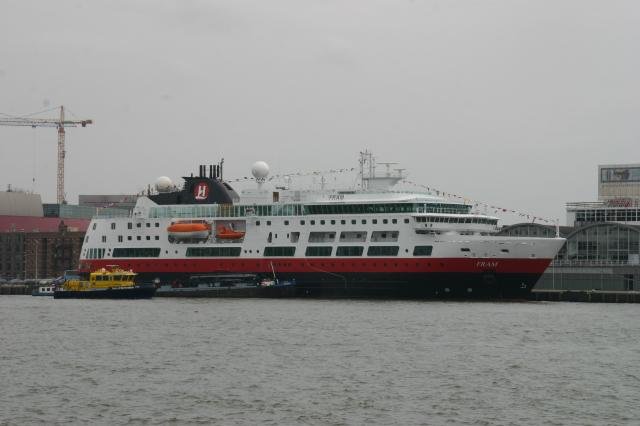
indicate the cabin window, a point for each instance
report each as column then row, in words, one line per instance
column 353, row 222
column 406, row 220
column 139, row 225
column 322, row 222
column 394, row 220
column 374, row 221
column 349, row 251
column 322, row 237
column 318, row 251
column 120, row 238
column 272, row 251
column 313, row 222
column 128, row 237
column 286, row 222
column 148, row 237
column 129, row 225
column 333, row 222
column 383, row 251
column 113, row 225
column 422, row 250
column 465, row 249
column 268, row 223
column 257, row 223
column 302, row 222
column 505, row 250
column 136, row 252
column 343, row 222
column 157, row 225
column 138, row 238
column 213, row 251
column 385, row 221
column 104, row 238
column 364, row 221
column 295, row 236
column 157, row 237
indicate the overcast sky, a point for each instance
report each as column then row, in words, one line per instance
column 505, row 101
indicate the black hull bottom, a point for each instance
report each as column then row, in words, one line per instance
column 145, row 292
column 395, row 286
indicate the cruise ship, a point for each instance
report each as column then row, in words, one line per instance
column 371, row 240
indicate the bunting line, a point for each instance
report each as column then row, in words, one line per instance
column 496, row 209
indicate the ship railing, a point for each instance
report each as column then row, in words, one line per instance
column 112, row 214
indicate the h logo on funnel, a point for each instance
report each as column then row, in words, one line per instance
column 201, row 191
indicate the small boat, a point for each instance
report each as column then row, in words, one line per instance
column 43, row 290
column 224, row 232
column 228, row 285
column 111, row 282
column 189, row 230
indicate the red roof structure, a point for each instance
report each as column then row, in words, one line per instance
column 40, row 224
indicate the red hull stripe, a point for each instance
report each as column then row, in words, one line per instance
column 344, row 265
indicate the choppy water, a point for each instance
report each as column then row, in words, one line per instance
column 278, row 362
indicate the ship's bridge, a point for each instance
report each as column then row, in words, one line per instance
column 437, row 223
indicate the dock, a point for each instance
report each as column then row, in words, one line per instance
column 586, row 296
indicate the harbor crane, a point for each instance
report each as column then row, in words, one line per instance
column 60, row 124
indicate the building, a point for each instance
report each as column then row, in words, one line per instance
column 34, row 244
column 49, row 254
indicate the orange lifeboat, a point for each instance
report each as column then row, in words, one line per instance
column 227, row 233
column 182, row 231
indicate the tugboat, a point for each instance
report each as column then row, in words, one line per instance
column 111, row 282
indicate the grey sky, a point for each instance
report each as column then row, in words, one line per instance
column 510, row 102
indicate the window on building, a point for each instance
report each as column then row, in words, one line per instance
column 120, row 238
column 113, row 225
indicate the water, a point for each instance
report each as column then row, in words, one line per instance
column 250, row 361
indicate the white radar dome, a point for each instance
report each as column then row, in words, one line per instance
column 163, row 184
column 260, row 170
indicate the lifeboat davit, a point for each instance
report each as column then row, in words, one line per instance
column 183, row 231
column 228, row 233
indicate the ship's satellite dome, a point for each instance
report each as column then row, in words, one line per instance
column 260, row 170
column 163, row 184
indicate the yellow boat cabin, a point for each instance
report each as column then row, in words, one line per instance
column 110, row 277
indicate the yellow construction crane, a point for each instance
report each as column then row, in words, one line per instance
column 60, row 123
